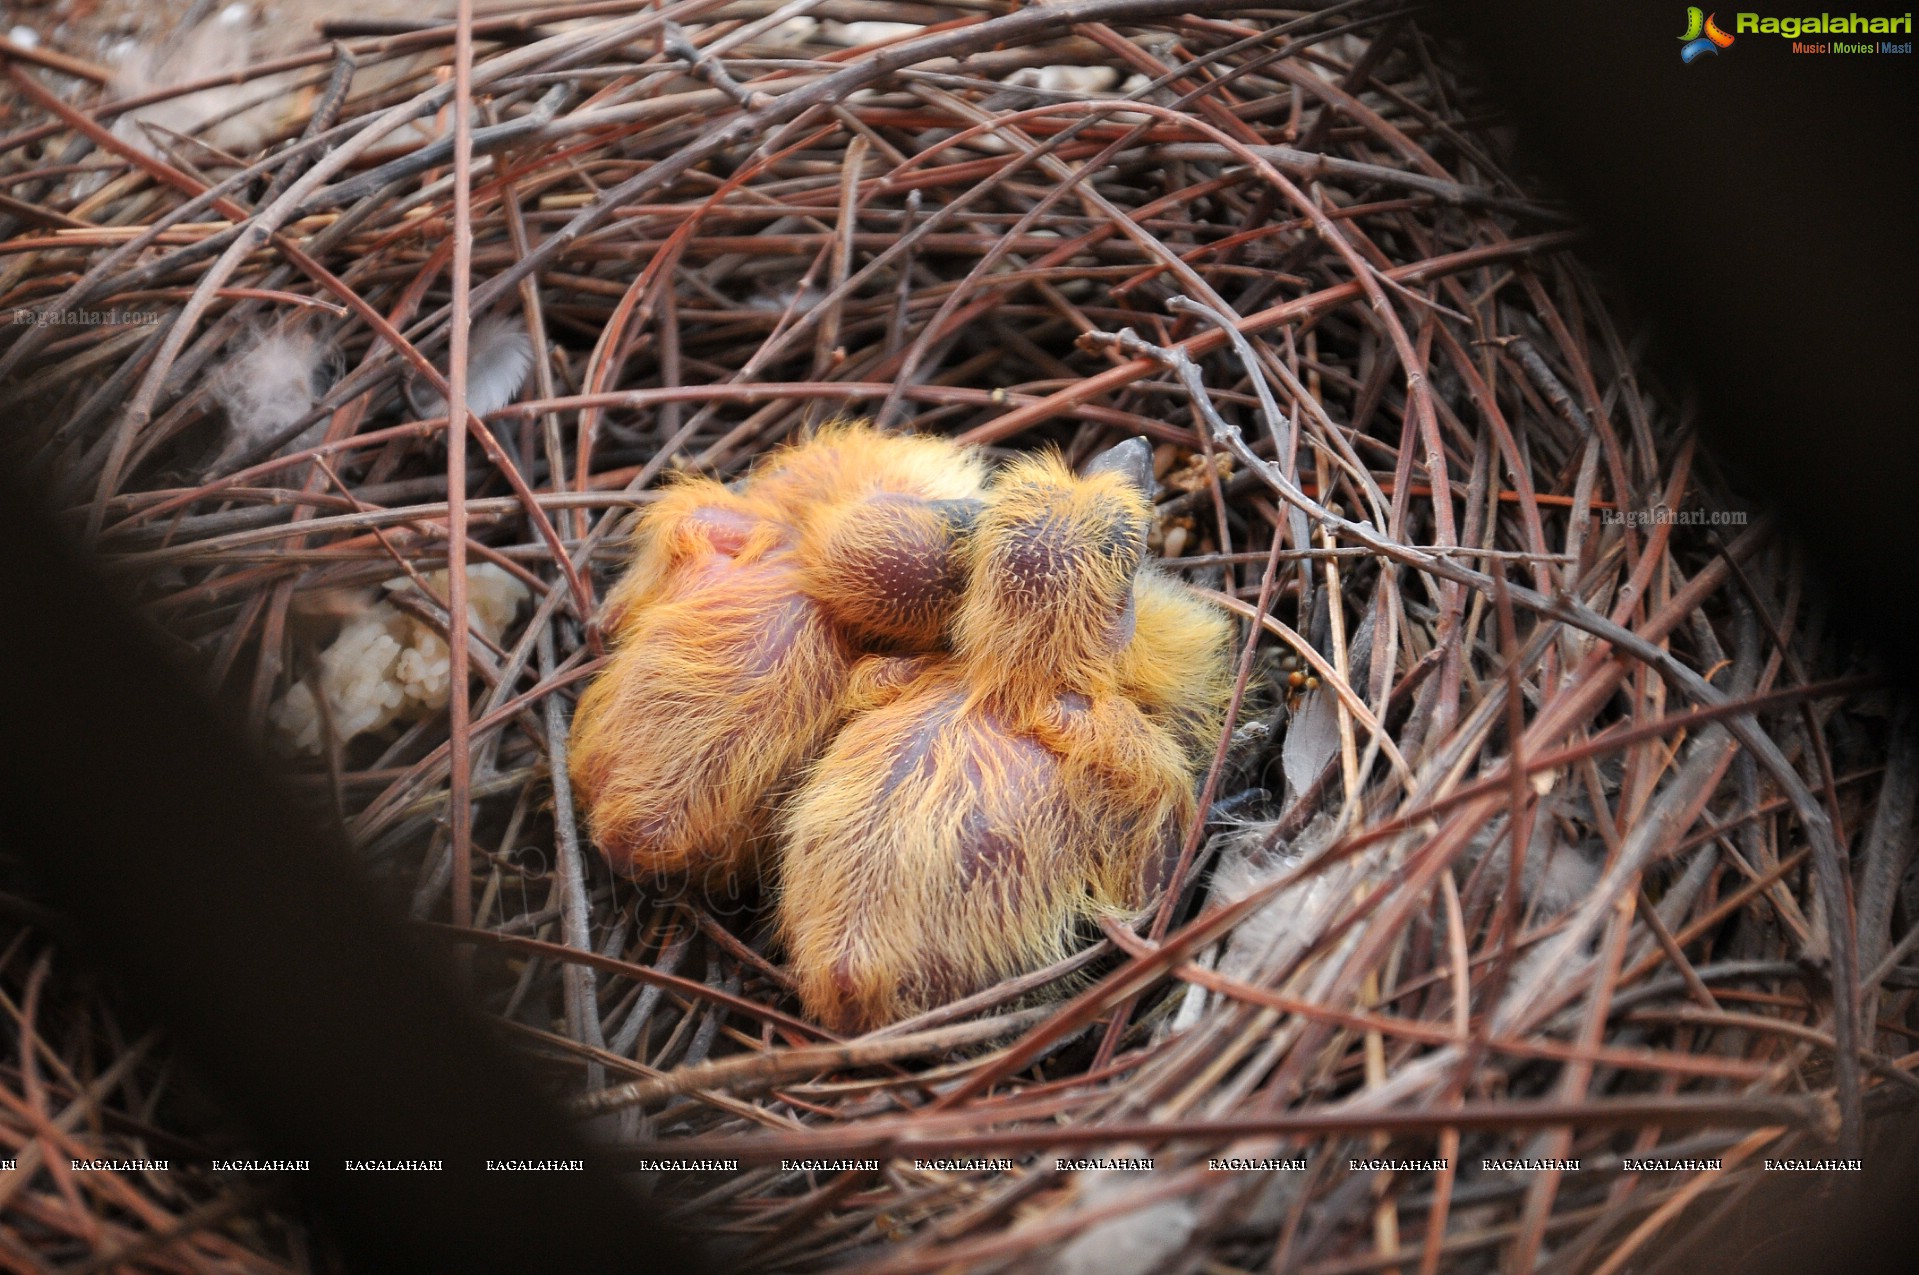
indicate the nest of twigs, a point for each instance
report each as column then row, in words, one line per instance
column 1503, row 601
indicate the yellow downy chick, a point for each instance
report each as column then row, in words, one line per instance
column 734, row 636
column 981, row 805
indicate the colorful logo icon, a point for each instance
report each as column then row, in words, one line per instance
column 1697, row 44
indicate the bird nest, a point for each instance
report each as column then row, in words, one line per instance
column 1488, row 595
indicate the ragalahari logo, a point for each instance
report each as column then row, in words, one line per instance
column 1702, row 35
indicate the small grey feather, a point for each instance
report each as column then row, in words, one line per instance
column 499, row 355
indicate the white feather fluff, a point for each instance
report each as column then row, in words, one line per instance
column 1312, row 737
column 1280, row 928
column 1568, row 875
column 210, row 49
column 269, row 383
column 1559, row 872
column 498, row 356
column 1285, row 924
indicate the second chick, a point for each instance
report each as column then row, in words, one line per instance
column 980, row 805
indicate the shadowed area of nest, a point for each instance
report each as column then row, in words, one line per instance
column 1534, row 808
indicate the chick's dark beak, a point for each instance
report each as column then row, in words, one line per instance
column 961, row 515
column 1131, row 460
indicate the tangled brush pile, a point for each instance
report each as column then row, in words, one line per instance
column 1550, row 823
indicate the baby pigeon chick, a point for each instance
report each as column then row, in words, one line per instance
column 736, row 627
column 981, row 804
